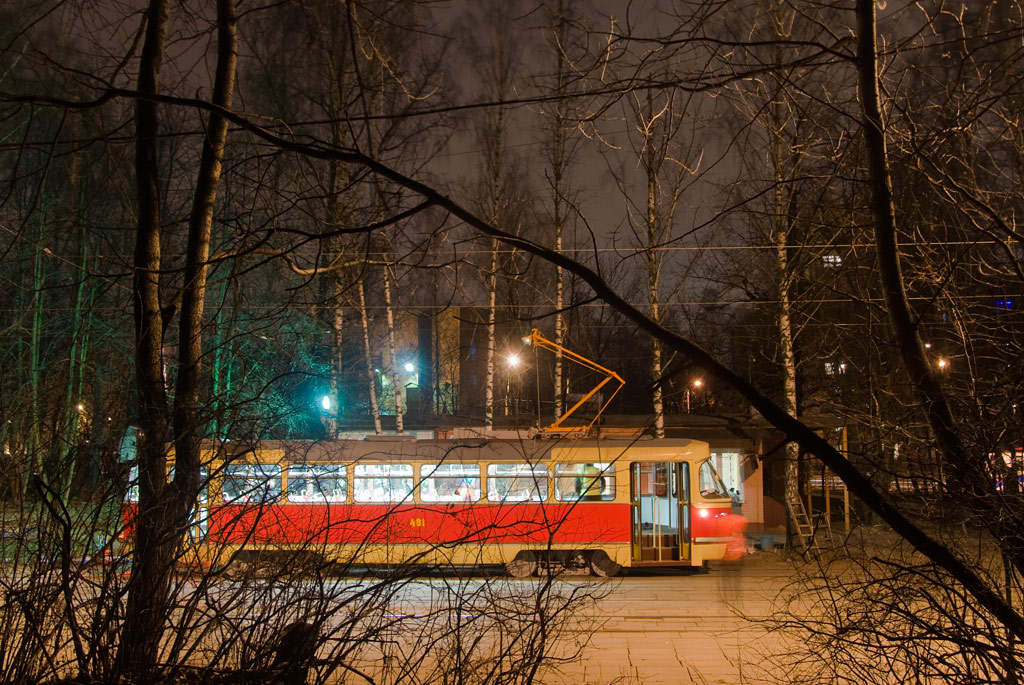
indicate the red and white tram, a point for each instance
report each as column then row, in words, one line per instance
column 591, row 505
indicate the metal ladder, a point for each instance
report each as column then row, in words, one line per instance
column 803, row 530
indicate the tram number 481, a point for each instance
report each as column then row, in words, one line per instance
column 417, row 522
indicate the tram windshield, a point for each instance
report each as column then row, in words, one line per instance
column 709, row 483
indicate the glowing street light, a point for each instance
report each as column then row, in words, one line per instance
column 696, row 383
column 325, row 402
column 409, row 367
column 943, row 364
column 512, row 360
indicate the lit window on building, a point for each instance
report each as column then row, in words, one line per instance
column 835, row 368
column 831, row 260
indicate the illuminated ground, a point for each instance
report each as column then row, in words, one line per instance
column 688, row 629
column 650, row 629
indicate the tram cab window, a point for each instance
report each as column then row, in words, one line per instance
column 450, row 482
column 709, row 484
column 259, row 483
column 382, row 482
column 587, row 482
column 317, row 483
column 517, row 483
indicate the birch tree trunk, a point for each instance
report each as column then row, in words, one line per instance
column 368, row 357
column 492, row 306
column 393, row 369
column 559, row 166
column 780, row 233
column 339, row 207
column 653, row 266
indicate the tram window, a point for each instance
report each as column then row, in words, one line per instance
column 133, row 483
column 517, row 483
column 450, row 482
column 251, row 483
column 317, row 483
column 710, row 485
column 204, row 480
column 587, row 482
column 382, row 482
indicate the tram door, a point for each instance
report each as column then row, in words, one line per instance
column 660, row 497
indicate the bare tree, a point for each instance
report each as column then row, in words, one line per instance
column 164, row 509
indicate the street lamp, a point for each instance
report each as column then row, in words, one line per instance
column 513, row 361
column 696, row 384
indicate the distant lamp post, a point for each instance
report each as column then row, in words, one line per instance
column 325, row 403
column 943, row 364
column 409, row 367
column 694, row 386
column 512, row 361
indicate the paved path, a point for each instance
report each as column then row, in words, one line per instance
column 650, row 630
column 686, row 629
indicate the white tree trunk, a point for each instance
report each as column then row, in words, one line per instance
column 654, row 273
column 393, row 355
column 492, row 303
column 371, row 375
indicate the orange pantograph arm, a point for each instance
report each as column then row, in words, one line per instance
column 537, row 340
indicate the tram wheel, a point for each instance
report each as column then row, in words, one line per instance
column 602, row 566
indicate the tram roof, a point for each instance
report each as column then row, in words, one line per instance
column 462, row 450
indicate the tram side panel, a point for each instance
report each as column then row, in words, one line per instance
column 257, row 514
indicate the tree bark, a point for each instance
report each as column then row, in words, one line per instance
column 371, row 375
column 145, row 607
column 164, row 509
column 394, row 370
column 780, row 232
